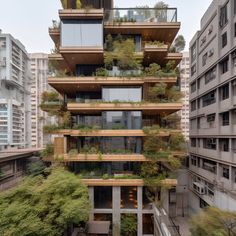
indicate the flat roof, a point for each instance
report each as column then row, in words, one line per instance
column 12, row 154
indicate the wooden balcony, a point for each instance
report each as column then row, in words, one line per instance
column 81, row 14
column 154, row 54
column 70, row 85
column 82, row 55
column 105, row 158
column 146, row 108
column 58, row 61
column 111, row 133
column 150, row 31
column 124, row 182
column 176, row 57
column 55, row 34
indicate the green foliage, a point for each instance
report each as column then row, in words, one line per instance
column 36, row 168
column 48, row 151
column 174, row 162
column 128, row 225
column 161, row 93
column 43, row 207
column 102, row 72
column 47, row 129
column 73, row 153
column 64, row 4
column 86, row 128
column 109, row 43
column 177, row 142
column 153, row 70
column 123, row 55
column 213, row 222
column 156, row 70
column 155, row 43
column 49, row 96
column 179, row 44
column 78, row 4
column 66, row 120
column 161, row 4
column 149, row 169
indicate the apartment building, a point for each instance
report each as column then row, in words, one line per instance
column 39, row 84
column 212, row 104
column 184, row 87
column 109, row 102
column 14, row 94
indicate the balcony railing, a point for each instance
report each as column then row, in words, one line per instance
column 122, row 15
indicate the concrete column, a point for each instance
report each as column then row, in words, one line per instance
column 218, row 171
column 140, row 208
column 116, row 210
column 15, row 166
column 91, row 198
column 230, row 177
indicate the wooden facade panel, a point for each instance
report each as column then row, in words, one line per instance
column 59, row 146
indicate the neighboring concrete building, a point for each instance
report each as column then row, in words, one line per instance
column 14, row 164
column 15, row 125
column 213, row 109
column 117, row 101
column 39, row 84
column 184, row 87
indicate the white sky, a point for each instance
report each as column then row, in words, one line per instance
column 28, row 20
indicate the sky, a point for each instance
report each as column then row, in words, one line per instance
column 28, row 20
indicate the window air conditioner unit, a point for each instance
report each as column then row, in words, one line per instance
column 199, row 188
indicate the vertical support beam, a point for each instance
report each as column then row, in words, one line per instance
column 140, row 209
column 15, row 166
column 65, row 145
column 91, row 198
column 116, row 211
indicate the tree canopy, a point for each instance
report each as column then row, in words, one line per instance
column 214, row 222
column 44, row 206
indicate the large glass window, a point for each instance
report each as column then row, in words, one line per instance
column 223, row 15
column 111, row 145
column 81, row 33
column 122, row 120
column 224, row 65
column 102, row 197
column 210, row 75
column 88, row 96
column 225, row 119
column 209, row 143
column 209, row 99
column 120, row 145
column 129, row 198
column 81, row 120
column 224, row 144
column 224, row 92
column 148, row 227
column 127, row 94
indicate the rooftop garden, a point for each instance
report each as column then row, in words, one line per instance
column 51, row 101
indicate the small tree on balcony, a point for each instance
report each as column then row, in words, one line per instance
column 179, row 44
column 49, row 96
column 161, row 93
column 123, row 55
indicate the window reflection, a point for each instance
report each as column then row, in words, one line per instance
column 122, row 120
column 122, row 94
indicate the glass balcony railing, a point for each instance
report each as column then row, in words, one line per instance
column 122, row 15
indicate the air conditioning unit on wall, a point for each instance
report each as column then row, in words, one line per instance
column 199, row 188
